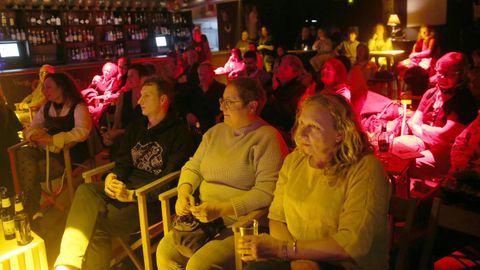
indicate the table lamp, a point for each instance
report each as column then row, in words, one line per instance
column 393, row 21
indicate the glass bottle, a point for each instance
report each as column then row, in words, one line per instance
column 6, row 215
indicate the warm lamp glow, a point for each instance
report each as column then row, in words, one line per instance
column 393, row 20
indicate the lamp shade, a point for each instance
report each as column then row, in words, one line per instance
column 393, row 20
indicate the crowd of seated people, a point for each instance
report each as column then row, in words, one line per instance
column 247, row 126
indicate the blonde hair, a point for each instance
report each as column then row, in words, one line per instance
column 354, row 145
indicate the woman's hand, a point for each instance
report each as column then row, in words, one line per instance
column 185, row 200
column 208, row 211
column 304, row 265
column 258, row 247
column 41, row 137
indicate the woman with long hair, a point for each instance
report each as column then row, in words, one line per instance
column 331, row 200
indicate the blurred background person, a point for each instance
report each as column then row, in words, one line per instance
column 334, row 79
column 242, row 44
column 348, row 47
column 265, row 46
column 323, row 46
column 200, row 45
column 304, row 41
column 380, row 42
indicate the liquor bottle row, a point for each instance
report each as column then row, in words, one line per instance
column 79, row 35
column 12, row 34
column 42, row 20
column 113, row 35
column 7, row 19
column 110, row 51
column 108, row 19
column 39, row 59
column 136, row 18
column 81, row 54
column 41, row 37
column 137, row 34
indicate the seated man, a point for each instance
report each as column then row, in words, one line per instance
column 442, row 115
column 252, row 71
column 465, row 155
column 154, row 146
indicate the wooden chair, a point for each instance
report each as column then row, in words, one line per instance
column 167, row 218
column 402, row 211
column 146, row 232
column 51, row 195
column 450, row 217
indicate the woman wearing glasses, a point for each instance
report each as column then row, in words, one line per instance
column 442, row 115
column 253, row 152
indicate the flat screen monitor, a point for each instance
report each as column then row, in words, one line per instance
column 9, row 49
column 161, row 41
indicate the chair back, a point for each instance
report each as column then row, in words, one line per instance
column 450, row 217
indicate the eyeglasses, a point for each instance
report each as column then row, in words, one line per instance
column 227, row 103
column 446, row 74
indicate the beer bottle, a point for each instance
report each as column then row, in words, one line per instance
column 7, row 217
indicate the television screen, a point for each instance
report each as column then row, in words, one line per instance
column 9, row 50
column 161, row 41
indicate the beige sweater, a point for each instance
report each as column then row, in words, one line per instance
column 240, row 166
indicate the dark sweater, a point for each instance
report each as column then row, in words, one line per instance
column 148, row 154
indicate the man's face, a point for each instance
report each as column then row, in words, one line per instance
column 250, row 64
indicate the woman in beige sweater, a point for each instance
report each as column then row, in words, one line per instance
column 331, row 200
column 235, row 169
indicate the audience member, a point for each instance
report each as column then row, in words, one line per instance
column 154, row 146
column 334, row 78
column 253, row 151
column 380, row 42
column 198, row 104
column 349, row 47
column 281, row 51
column 304, row 41
column 252, row 71
column 364, row 62
column 105, row 85
column 474, row 75
column 63, row 120
column 10, row 126
column 323, row 46
column 287, row 91
column 242, row 44
column 331, row 200
column 200, row 45
column 36, row 99
column 123, row 63
column 423, row 52
column 265, row 46
column 442, row 115
column 253, row 48
column 127, row 109
column 465, row 154
column 233, row 65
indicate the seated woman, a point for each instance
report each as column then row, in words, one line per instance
column 443, row 113
column 379, row 42
column 233, row 65
column 423, row 52
column 36, row 99
column 253, row 152
column 331, row 201
column 127, row 108
column 334, row 78
column 64, row 119
column 154, row 146
column 323, row 46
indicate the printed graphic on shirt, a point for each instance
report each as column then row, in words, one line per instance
column 148, row 157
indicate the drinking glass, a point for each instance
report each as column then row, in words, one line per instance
column 247, row 231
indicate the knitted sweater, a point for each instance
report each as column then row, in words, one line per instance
column 240, row 166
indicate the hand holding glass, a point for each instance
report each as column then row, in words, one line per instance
column 247, row 232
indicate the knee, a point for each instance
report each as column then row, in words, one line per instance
column 86, row 190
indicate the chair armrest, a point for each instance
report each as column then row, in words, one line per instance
column 157, row 183
column 165, row 203
column 257, row 214
column 15, row 147
column 101, row 169
column 167, row 195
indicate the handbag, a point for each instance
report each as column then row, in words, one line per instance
column 189, row 234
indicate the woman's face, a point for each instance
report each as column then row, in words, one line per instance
column 328, row 74
column 235, row 111
column 316, row 135
column 133, row 79
column 264, row 32
column 52, row 92
column 423, row 32
column 244, row 35
column 150, row 100
column 379, row 29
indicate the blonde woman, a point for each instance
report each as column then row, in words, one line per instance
column 331, row 200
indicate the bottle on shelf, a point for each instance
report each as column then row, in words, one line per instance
column 6, row 215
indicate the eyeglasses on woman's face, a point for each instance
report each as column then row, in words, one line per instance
column 227, row 103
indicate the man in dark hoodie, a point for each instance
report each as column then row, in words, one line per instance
column 154, row 146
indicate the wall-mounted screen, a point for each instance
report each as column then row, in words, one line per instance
column 10, row 49
column 161, row 41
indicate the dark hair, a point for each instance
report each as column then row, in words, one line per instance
column 127, row 60
column 151, row 68
column 140, row 69
column 69, row 88
column 237, row 52
column 249, row 90
column 345, row 61
column 250, row 54
column 163, row 87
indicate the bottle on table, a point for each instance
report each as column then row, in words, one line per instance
column 6, row 215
